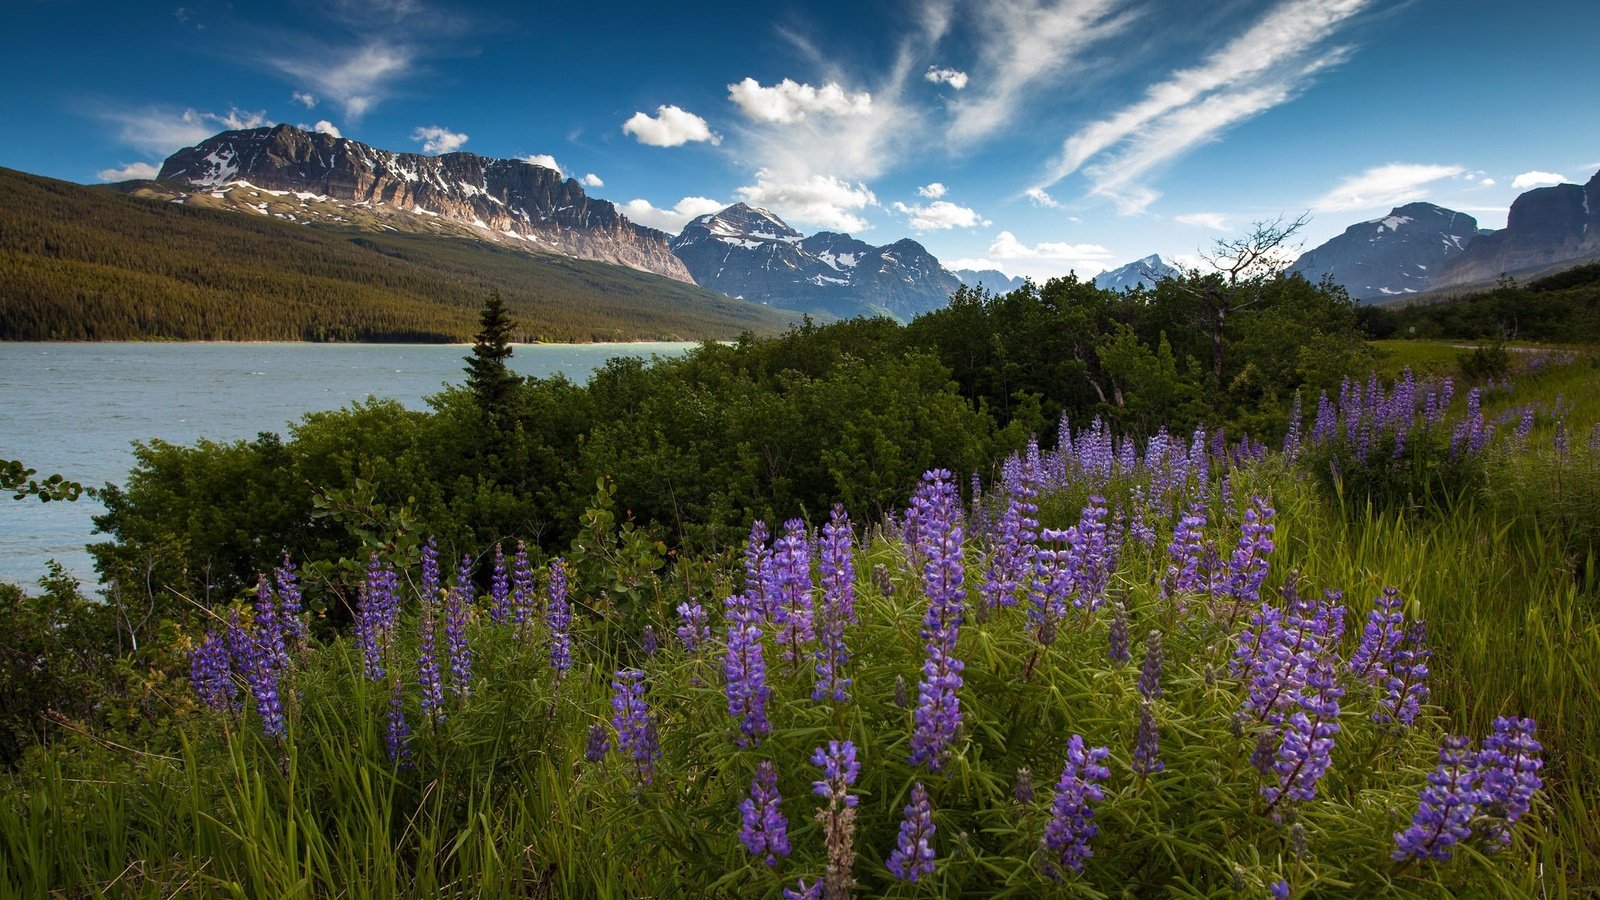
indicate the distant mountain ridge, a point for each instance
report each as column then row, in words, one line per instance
column 1398, row 254
column 747, row 252
column 505, row 200
column 1544, row 227
column 992, row 280
column 1141, row 272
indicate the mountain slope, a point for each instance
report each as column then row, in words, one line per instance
column 1144, row 272
column 1398, row 254
column 498, row 200
column 747, row 252
column 990, row 279
column 1545, row 227
column 82, row 263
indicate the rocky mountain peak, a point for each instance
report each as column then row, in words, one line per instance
column 1393, row 255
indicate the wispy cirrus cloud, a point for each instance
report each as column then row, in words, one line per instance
column 128, row 172
column 1385, row 186
column 1213, row 221
column 1265, row 66
column 161, row 130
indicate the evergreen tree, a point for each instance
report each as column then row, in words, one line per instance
column 489, row 379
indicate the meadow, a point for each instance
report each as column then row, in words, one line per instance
column 1363, row 662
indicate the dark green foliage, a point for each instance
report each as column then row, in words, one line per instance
column 17, row 478
column 489, row 379
column 82, row 263
column 1489, row 361
column 1564, row 308
column 1423, row 478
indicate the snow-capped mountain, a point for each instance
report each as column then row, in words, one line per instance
column 1545, row 227
column 992, row 280
column 747, row 252
column 1401, row 253
column 1144, row 272
column 338, row 180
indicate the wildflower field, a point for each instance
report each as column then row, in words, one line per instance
column 1363, row 662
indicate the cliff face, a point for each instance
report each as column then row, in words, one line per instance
column 1545, row 226
column 1401, row 253
column 505, row 199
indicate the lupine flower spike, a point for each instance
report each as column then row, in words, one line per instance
column 913, row 855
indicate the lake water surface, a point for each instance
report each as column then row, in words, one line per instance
column 76, row 409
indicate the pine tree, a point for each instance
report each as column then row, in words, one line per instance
column 488, row 377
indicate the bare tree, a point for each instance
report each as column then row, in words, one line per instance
column 1241, row 266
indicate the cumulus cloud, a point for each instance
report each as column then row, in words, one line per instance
column 822, row 200
column 1213, row 221
column 1267, row 65
column 438, row 140
column 1535, row 179
column 592, row 180
column 671, row 220
column 161, row 131
column 953, row 77
column 356, row 78
column 545, row 160
column 670, row 127
column 932, row 191
column 1383, row 186
column 1041, row 197
column 1488, row 182
column 789, row 101
column 1006, row 246
column 308, row 100
column 1039, row 261
column 323, row 126
column 940, row 215
column 128, row 172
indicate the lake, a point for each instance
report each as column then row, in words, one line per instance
column 76, row 409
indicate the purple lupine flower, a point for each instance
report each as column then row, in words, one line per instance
column 500, row 589
column 1326, row 422
column 599, row 743
column 260, row 671
column 1011, row 560
column 1278, row 650
column 839, row 771
column 1291, row 438
column 1022, row 788
column 793, row 611
column 765, row 830
column 944, row 573
column 1147, row 744
column 1051, row 586
column 429, row 676
column 430, row 571
column 1183, row 573
column 376, row 607
column 694, row 633
column 398, row 735
column 1524, row 425
column 558, row 618
column 1150, row 673
column 1306, row 752
column 1405, row 687
column 211, row 673
column 1445, row 807
column 1509, row 765
column 1092, row 556
column 458, row 602
column 636, row 727
column 803, row 891
column 648, row 642
column 938, row 715
column 1117, row 649
column 1071, row 827
column 913, row 854
column 744, row 669
column 290, row 609
column 837, row 564
column 1384, row 629
column 523, row 593
column 757, row 559
column 1247, row 567
column 1279, row 889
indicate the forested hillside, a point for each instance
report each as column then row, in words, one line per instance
column 82, row 263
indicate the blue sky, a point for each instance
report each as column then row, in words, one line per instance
column 1035, row 137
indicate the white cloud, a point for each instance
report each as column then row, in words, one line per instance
column 128, row 172
column 1042, row 198
column 1006, row 246
column 932, row 191
column 940, row 215
column 953, row 77
column 1535, row 179
column 545, row 160
column 671, row 220
column 821, row 200
column 323, row 126
column 1382, row 187
column 161, row 131
column 1263, row 67
column 592, row 180
column 438, row 140
column 1488, row 182
column 357, row 79
column 309, row 100
column 1026, row 44
column 788, row 101
column 1213, row 221
column 1039, row 261
column 671, row 127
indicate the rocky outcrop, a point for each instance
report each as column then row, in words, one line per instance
column 506, row 200
column 747, row 252
column 1546, row 227
column 1401, row 253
